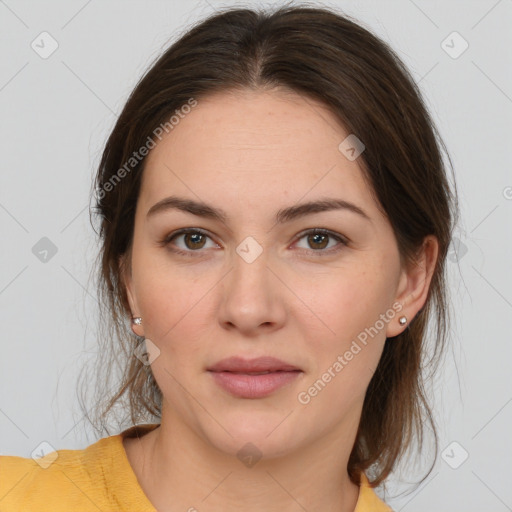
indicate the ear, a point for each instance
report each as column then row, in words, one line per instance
column 414, row 284
column 126, row 278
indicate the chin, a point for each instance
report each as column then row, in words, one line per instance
column 257, row 435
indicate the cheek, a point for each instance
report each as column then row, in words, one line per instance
column 175, row 305
column 347, row 302
column 346, row 354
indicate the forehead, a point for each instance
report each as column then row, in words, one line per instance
column 256, row 147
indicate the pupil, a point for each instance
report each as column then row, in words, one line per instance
column 316, row 237
column 195, row 237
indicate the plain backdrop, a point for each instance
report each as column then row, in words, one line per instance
column 56, row 112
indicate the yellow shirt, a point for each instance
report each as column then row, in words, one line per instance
column 96, row 478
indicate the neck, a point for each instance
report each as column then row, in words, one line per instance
column 179, row 470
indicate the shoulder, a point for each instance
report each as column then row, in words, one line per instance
column 41, row 483
column 368, row 500
column 98, row 477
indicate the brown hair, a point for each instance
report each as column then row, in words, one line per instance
column 325, row 56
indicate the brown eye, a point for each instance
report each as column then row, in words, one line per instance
column 196, row 240
column 187, row 241
column 318, row 240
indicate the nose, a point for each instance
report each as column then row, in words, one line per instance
column 253, row 298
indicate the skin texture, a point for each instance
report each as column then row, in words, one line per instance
column 253, row 153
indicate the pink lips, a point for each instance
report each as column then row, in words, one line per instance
column 253, row 378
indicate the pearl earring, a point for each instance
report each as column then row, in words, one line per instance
column 402, row 320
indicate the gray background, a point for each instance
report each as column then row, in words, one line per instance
column 57, row 112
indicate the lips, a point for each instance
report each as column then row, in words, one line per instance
column 253, row 378
column 260, row 365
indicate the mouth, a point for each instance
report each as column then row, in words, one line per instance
column 255, row 378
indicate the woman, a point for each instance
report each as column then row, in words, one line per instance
column 275, row 217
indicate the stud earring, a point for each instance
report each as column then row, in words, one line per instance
column 402, row 320
column 137, row 320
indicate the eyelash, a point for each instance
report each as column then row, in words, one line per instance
column 315, row 231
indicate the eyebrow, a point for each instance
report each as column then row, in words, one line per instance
column 284, row 215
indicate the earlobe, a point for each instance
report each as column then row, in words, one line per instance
column 126, row 278
column 414, row 285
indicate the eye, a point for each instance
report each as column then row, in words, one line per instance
column 318, row 239
column 193, row 238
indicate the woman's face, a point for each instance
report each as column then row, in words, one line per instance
column 259, row 282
